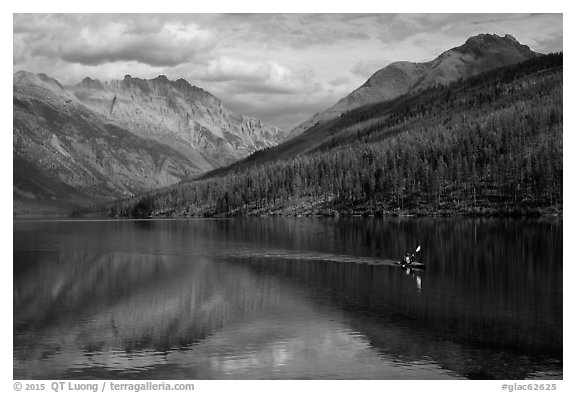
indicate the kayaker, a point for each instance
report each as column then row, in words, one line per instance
column 407, row 260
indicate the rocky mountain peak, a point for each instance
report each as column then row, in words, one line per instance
column 183, row 84
column 118, row 138
column 20, row 75
column 25, row 78
column 91, row 83
column 45, row 78
column 478, row 54
column 163, row 86
column 483, row 39
column 511, row 38
column 492, row 42
column 162, row 79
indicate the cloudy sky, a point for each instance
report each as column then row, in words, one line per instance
column 281, row 68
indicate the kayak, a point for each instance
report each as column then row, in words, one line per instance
column 413, row 265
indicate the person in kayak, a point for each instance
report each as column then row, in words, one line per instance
column 407, row 260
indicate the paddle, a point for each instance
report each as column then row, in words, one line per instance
column 417, row 249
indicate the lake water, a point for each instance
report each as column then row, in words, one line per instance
column 288, row 298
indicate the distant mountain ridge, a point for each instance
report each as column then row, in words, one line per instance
column 114, row 139
column 490, row 144
column 478, row 54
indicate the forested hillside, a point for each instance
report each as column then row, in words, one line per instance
column 480, row 53
column 491, row 144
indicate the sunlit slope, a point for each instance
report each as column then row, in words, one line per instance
column 478, row 54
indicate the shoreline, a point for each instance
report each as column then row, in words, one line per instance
column 484, row 213
column 313, row 210
column 304, row 210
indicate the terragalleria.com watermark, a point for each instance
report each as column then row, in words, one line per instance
column 104, row 386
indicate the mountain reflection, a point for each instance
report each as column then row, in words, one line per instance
column 283, row 298
column 130, row 303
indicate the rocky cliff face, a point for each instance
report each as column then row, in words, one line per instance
column 76, row 145
column 478, row 54
column 157, row 108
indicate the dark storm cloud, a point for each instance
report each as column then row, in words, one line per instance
column 143, row 51
column 169, row 46
column 99, row 39
column 280, row 67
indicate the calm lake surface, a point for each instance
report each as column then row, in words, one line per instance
column 287, row 298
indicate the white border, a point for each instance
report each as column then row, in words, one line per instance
column 129, row 6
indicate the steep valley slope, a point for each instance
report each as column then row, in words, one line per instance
column 94, row 142
column 478, row 54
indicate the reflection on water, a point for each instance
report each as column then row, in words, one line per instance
column 287, row 298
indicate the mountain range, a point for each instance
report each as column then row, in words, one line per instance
column 486, row 144
column 97, row 141
column 478, row 54
column 350, row 115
